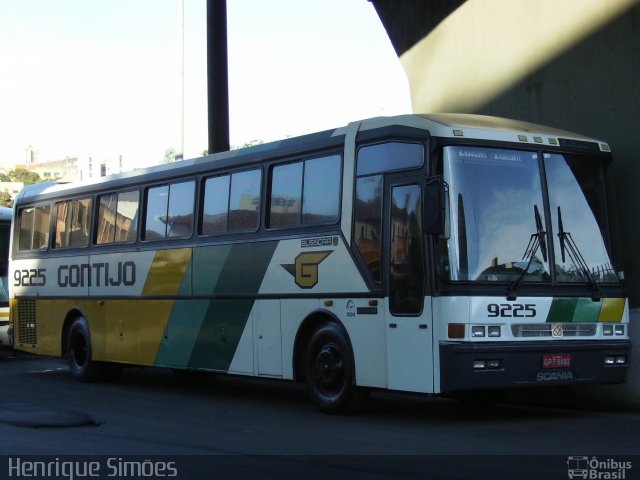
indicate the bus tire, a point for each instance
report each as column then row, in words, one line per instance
column 329, row 371
column 81, row 364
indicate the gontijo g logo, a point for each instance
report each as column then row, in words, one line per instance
column 305, row 270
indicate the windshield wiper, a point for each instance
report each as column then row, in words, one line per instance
column 536, row 241
column 567, row 244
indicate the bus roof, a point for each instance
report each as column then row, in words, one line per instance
column 482, row 127
column 454, row 125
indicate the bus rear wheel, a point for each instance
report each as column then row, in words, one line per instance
column 81, row 364
column 329, row 371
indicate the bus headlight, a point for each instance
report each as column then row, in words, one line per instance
column 494, row 330
column 619, row 329
column 477, row 331
column 607, row 330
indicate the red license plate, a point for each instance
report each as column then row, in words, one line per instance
column 556, row 360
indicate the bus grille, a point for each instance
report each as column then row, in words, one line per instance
column 27, row 326
column 546, row 330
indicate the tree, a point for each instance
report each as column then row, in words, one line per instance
column 170, row 155
column 250, row 143
column 24, row 176
column 6, row 200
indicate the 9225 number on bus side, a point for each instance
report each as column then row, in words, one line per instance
column 34, row 277
column 510, row 310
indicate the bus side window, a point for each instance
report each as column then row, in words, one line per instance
column 34, row 228
column 107, row 212
column 305, row 193
column 127, row 216
column 406, row 269
column 118, row 216
column 72, row 223
column 286, row 195
column 321, row 199
column 170, row 211
column 180, row 213
column 215, row 211
column 368, row 222
column 26, row 229
column 388, row 157
column 244, row 201
column 156, row 219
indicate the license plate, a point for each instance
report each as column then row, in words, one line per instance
column 556, row 360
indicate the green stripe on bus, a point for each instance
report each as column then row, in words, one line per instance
column 223, row 321
column 208, row 263
column 244, row 268
column 218, row 337
column 587, row 310
column 206, row 333
column 565, row 310
column 178, row 338
column 562, row 310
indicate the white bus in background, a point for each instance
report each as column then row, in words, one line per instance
column 442, row 254
column 6, row 215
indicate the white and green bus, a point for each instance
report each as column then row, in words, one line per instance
column 441, row 254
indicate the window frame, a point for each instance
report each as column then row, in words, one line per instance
column 357, row 174
column 269, row 198
column 203, row 193
column 301, row 223
column 117, row 193
column 54, row 228
column 47, row 243
column 142, row 228
column 230, row 174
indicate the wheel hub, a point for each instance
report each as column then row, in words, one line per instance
column 329, row 368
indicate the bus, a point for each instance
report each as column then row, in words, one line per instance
column 6, row 215
column 442, row 254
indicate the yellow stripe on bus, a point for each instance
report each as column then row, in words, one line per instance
column 612, row 310
column 167, row 272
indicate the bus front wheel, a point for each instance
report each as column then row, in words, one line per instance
column 329, row 371
column 79, row 354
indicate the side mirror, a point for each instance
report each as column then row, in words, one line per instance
column 434, row 205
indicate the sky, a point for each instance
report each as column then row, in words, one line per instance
column 100, row 77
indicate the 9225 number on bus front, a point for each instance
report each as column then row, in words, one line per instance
column 510, row 310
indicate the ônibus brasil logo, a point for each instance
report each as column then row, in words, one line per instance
column 594, row 468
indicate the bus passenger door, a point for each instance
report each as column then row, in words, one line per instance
column 409, row 317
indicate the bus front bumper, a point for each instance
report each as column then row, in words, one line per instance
column 506, row 365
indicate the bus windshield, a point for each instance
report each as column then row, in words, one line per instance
column 498, row 228
column 578, row 216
